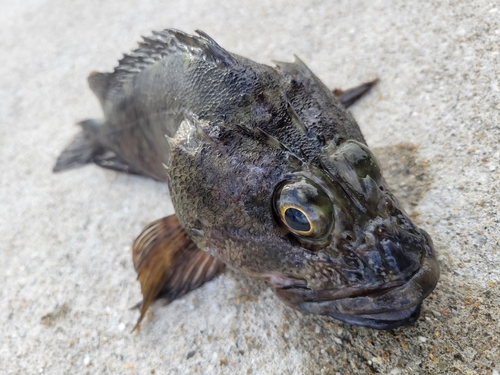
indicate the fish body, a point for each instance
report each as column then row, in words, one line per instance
column 268, row 173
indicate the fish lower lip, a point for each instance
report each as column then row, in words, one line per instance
column 388, row 320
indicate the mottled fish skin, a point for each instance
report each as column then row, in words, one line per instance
column 268, row 173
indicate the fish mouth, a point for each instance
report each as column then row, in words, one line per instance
column 389, row 306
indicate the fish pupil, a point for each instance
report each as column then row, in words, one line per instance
column 297, row 220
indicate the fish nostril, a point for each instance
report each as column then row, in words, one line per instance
column 348, row 236
column 381, row 231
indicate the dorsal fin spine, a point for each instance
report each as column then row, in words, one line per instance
column 154, row 48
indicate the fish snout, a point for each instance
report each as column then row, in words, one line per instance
column 400, row 271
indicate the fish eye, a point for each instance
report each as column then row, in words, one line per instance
column 297, row 220
column 303, row 208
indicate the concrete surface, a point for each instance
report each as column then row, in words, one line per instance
column 66, row 274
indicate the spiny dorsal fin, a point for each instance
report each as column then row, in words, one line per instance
column 152, row 50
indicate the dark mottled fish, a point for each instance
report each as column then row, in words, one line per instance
column 268, row 174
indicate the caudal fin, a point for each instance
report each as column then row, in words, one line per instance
column 81, row 150
column 88, row 147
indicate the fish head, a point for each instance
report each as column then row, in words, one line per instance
column 368, row 265
column 328, row 236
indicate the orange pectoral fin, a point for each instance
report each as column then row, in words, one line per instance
column 168, row 263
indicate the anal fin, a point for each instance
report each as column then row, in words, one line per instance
column 168, row 263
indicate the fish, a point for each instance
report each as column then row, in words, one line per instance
column 269, row 175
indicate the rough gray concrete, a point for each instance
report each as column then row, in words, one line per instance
column 67, row 278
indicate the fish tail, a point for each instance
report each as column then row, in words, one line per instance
column 82, row 149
